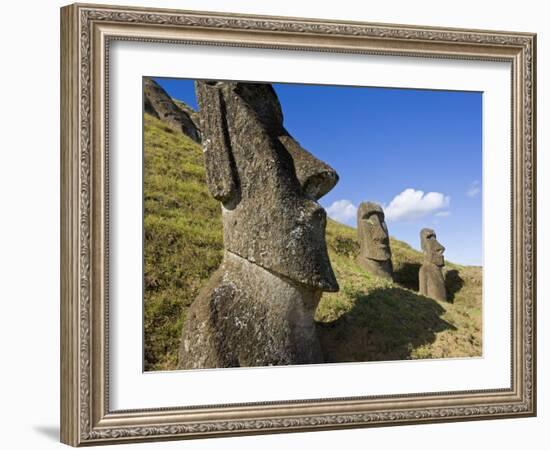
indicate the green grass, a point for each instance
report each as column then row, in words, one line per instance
column 183, row 237
column 369, row 319
column 372, row 319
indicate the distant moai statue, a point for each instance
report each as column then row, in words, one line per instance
column 257, row 308
column 430, row 278
column 374, row 239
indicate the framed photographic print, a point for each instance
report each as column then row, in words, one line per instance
column 277, row 224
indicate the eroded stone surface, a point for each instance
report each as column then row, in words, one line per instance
column 258, row 307
column 430, row 278
column 374, row 240
column 159, row 104
column 247, row 316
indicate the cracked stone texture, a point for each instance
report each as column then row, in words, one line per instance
column 430, row 277
column 246, row 316
column 159, row 104
column 258, row 307
column 374, row 240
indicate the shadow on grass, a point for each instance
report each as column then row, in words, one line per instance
column 383, row 325
column 407, row 275
column 453, row 283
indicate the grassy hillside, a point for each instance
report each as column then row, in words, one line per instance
column 183, row 237
column 370, row 319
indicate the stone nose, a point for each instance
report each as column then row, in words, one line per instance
column 316, row 177
column 377, row 229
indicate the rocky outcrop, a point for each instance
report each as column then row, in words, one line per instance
column 179, row 116
column 193, row 115
column 258, row 308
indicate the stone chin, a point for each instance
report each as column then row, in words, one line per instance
column 290, row 245
column 438, row 260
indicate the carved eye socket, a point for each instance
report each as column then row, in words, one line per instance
column 374, row 218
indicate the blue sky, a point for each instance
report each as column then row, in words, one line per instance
column 416, row 152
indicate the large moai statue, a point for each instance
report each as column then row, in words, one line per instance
column 375, row 252
column 257, row 308
column 430, row 278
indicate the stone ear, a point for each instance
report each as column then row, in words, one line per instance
column 218, row 159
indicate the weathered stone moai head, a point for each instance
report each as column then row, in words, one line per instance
column 267, row 183
column 258, row 307
column 430, row 278
column 433, row 250
column 374, row 239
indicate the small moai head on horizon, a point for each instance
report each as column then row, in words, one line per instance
column 433, row 250
column 373, row 232
column 267, row 183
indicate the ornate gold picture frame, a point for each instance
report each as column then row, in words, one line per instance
column 87, row 32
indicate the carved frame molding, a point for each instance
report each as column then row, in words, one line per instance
column 86, row 31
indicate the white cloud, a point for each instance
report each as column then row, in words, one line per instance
column 442, row 214
column 412, row 204
column 342, row 211
column 474, row 189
